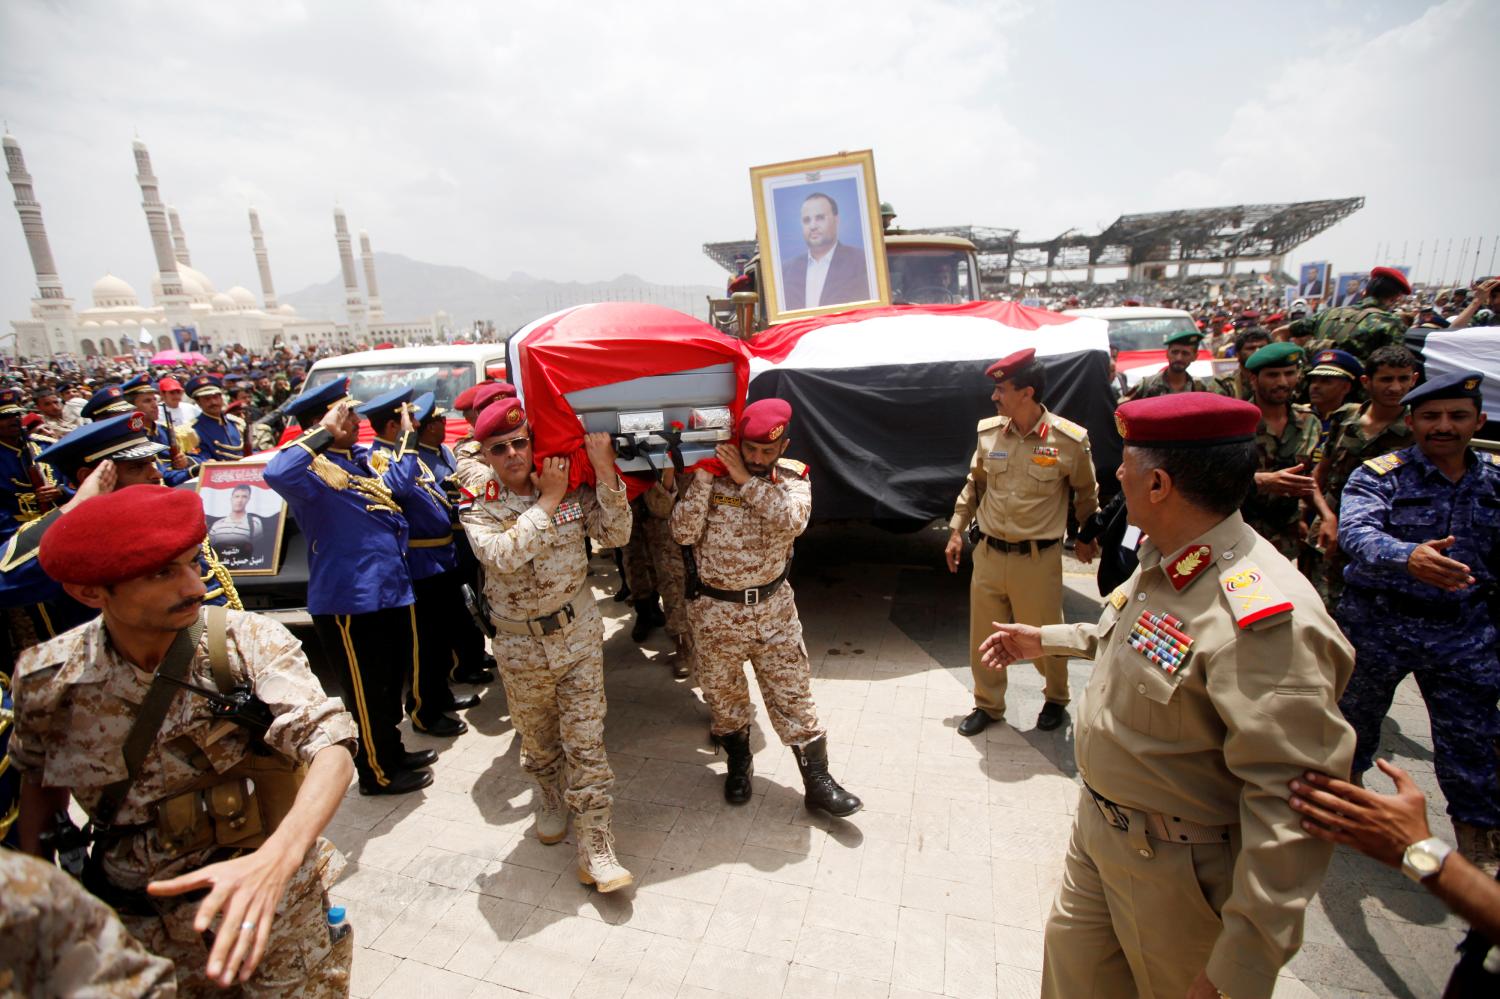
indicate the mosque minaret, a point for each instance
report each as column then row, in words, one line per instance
column 352, row 300
column 262, row 262
column 185, row 305
column 51, row 307
column 377, row 312
column 179, row 238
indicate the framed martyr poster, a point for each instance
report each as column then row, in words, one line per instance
column 245, row 516
column 822, row 248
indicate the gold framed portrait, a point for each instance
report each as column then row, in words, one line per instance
column 822, row 246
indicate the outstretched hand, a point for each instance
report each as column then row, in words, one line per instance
column 1428, row 564
column 1010, row 643
column 1381, row 826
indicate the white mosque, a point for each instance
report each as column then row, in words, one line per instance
column 187, row 307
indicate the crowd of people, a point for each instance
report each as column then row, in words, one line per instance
column 1223, row 739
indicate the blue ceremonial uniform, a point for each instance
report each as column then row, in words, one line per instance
column 18, row 503
column 220, row 438
column 1400, row 625
column 169, row 475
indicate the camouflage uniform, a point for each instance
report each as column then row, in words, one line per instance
column 1155, row 384
column 638, row 567
column 535, row 567
column 1237, row 386
column 1278, row 519
column 666, row 558
column 75, row 699
column 1347, row 449
column 742, row 536
column 1360, row 328
column 58, row 940
column 471, row 471
column 1400, row 625
column 52, row 431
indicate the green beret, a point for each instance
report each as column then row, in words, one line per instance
column 1182, row 336
column 1283, row 354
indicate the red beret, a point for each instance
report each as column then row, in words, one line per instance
column 490, row 391
column 169, row 384
column 1394, row 275
column 465, row 399
column 503, row 417
column 764, row 422
column 1187, row 419
column 31, row 421
column 121, row 535
column 1009, row 365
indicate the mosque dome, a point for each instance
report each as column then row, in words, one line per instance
column 222, row 303
column 285, row 309
column 112, row 292
column 242, row 296
column 195, row 284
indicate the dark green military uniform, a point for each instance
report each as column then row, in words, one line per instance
column 1154, row 385
column 1360, row 328
column 1326, row 424
column 1347, row 449
column 1278, row 518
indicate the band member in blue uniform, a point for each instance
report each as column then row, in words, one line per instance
column 107, row 401
column 430, row 557
column 176, row 466
column 26, row 489
column 359, row 589
column 221, row 436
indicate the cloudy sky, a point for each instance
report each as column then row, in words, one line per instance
column 582, row 140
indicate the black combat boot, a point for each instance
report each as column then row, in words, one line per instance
column 648, row 615
column 822, row 790
column 741, row 765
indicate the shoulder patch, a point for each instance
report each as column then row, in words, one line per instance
column 1070, row 428
column 380, row 460
column 1253, row 599
column 793, row 466
column 990, row 423
column 1384, row 463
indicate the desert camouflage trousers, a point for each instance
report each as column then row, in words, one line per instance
column 769, row 636
column 635, row 558
column 554, row 686
column 300, row 960
column 671, row 576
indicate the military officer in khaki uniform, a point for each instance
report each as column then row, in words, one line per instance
column 1028, row 466
column 1216, row 682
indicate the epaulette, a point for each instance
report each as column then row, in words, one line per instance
column 1488, row 456
column 990, row 423
column 26, row 542
column 379, row 459
column 1253, row 599
column 797, row 468
column 1384, row 463
column 1070, row 428
column 236, row 419
column 295, row 441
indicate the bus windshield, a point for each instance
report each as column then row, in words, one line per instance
column 1146, row 334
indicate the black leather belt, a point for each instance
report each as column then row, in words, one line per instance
column 749, row 597
column 1017, row 547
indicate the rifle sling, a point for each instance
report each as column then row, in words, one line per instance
column 148, row 722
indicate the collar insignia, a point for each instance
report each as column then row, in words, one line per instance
column 1192, row 562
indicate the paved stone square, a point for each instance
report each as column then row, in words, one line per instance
column 939, row 887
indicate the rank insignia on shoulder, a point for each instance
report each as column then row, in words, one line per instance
column 567, row 513
column 1118, row 598
column 990, row 422
column 1384, row 463
column 1253, row 599
column 793, row 467
column 1489, row 456
column 1187, row 565
column 1159, row 637
column 491, row 490
column 1070, row 428
column 380, row 460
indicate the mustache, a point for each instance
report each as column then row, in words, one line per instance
column 186, row 605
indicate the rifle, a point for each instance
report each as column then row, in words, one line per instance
column 34, row 472
column 174, row 448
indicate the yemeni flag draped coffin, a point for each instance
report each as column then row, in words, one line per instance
column 885, row 401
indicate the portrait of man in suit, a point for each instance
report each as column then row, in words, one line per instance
column 830, row 272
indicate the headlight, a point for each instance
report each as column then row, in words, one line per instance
column 711, row 418
column 642, row 423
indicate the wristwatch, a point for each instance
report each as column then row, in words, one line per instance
column 1424, row 858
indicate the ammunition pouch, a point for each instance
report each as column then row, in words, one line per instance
column 238, row 809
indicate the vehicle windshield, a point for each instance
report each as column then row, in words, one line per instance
column 1146, row 334
column 931, row 276
column 444, row 379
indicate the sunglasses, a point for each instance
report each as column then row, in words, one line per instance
column 516, row 444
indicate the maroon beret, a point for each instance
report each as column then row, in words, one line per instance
column 121, row 535
column 1007, row 366
column 490, row 391
column 503, row 417
column 1394, row 275
column 465, row 399
column 764, row 422
column 1187, row 419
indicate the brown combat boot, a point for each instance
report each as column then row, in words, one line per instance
column 1478, row 845
column 597, row 864
column 551, row 811
column 685, row 661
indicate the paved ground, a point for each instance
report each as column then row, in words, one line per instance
column 938, row 888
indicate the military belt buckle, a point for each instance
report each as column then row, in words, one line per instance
column 1113, row 813
column 752, row 596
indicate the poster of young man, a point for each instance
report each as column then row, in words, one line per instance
column 245, row 517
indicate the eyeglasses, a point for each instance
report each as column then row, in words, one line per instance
column 516, row 444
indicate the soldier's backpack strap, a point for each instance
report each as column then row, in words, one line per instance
column 217, row 626
column 148, row 722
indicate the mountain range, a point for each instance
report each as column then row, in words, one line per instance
column 413, row 290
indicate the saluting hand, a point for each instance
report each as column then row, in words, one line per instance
column 100, row 481
column 1428, row 565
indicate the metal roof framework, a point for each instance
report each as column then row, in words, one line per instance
column 1185, row 236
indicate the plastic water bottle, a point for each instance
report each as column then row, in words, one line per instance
column 338, row 926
